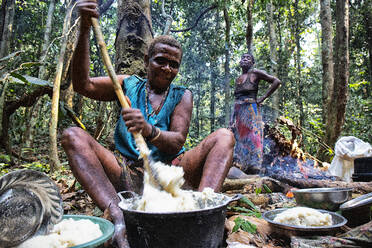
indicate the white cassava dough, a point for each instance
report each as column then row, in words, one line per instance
column 302, row 216
column 171, row 198
column 67, row 233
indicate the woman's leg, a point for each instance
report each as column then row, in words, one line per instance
column 98, row 172
column 207, row 164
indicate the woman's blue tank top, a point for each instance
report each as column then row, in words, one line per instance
column 135, row 88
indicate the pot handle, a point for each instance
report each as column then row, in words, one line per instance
column 235, row 198
column 126, row 194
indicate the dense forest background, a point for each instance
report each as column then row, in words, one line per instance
column 320, row 50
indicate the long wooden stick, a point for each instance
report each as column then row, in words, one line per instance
column 140, row 141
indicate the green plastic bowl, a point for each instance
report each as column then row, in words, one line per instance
column 106, row 227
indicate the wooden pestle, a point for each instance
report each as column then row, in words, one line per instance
column 140, row 141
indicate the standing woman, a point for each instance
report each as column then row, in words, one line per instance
column 246, row 121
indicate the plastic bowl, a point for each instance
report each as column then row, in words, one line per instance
column 322, row 198
column 106, row 227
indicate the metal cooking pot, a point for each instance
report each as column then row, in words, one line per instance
column 202, row 228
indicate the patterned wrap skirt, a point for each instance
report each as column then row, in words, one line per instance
column 247, row 126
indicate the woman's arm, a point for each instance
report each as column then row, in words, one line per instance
column 275, row 83
column 99, row 88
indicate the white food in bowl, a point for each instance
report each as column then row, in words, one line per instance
column 67, row 233
column 302, row 216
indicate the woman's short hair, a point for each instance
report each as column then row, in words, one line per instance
column 163, row 39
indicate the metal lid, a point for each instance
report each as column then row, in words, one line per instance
column 21, row 214
column 361, row 201
column 30, row 204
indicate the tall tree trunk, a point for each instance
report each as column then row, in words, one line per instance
column 327, row 64
column 6, row 28
column 212, row 105
column 298, row 64
column 68, row 94
column 46, row 40
column 33, row 113
column 249, row 29
column 336, row 116
column 327, row 55
column 283, row 64
column 54, row 160
column 227, row 89
column 273, row 51
column 168, row 23
column 3, row 118
column 368, row 27
column 197, row 107
column 133, row 36
column 214, row 78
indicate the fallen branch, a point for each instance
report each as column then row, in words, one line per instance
column 238, row 184
column 253, row 183
column 358, row 187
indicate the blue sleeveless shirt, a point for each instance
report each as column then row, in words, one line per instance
column 135, row 88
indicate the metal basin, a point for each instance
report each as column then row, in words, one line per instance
column 322, row 198
column 291, row 230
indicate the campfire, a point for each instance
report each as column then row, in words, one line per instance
column 284, row 158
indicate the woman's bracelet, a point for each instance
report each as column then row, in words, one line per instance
column 152, row 134
column 157, row 135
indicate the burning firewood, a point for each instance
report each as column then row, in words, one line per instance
column 287, row 147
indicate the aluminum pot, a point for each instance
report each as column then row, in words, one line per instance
column 188, row 229
column 322, row 198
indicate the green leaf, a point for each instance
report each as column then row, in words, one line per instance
column 239, row 209
column 19, row 77
column 267, row 189
column 248, row 227
column 245, row 225
column 238, row 222
column 38, row 81
column 248, row 202
column 255, row 214
column 30, row 64
column 258, row 191
column 5, row 158
column 246, row 212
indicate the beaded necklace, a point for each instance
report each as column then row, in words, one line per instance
column 154, row 111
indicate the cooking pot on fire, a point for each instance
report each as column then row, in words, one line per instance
column 202, row 228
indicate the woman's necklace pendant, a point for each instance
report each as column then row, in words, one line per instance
column 154, row 112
